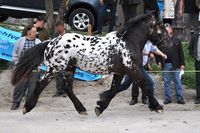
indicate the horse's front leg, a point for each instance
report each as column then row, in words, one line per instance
column 153, row 103
column 77, row 104
column 147, row 84
column 108, row 95
column 33, row 98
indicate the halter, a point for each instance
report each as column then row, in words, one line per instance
column 154, row 24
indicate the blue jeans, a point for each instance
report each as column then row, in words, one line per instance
column 101, row 14
column 128, row 81
column 167, row 81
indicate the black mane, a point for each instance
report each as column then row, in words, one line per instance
column 132, row 22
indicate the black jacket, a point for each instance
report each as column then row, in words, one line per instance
column 129, row 2
column 151, row 5
column 174, row 51
column 193, row 45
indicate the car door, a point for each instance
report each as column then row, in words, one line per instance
column 1, row 2
column 25, row 5
column 32, row 5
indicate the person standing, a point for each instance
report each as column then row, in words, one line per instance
column 60, row 80
column 25, row 87
column 42, row 33
column 104, row 5
column 194, row 50
column 59, row 29
column 169, row 11
column 149, row 47
column 172, row 66
column 129, row 8
column 191, row 13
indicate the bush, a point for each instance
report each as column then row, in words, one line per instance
column 188, row 78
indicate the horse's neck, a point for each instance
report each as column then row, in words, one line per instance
column 136, row 43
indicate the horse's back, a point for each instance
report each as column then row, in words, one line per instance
column 90, row 52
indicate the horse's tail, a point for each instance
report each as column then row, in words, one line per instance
column 31, row 59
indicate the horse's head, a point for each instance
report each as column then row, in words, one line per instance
column 156, row 31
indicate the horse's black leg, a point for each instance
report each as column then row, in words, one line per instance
column 33, row 98
column 108, row 95
column 153, row 103
column 77, row 104
column 148, row 85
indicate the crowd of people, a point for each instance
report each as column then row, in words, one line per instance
column 170, row 58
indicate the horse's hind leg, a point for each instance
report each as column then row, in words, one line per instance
column 108, row 95
column 77, row 104
column 33, row 98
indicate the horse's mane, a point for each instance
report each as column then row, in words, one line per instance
column 132, row 22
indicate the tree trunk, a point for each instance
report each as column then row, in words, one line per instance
column 63, row 7
column 49, row 14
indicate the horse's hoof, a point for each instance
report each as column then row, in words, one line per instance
column 97, row 111
column 24, row 111
column 83, row 113
column 158, row 109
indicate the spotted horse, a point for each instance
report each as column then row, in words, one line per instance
column 117, row 53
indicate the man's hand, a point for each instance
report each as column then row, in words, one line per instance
column 181, row 12
column 164, row 56
column 159, row 65
column 182, row 67
column 101, row 2
column 181, row 8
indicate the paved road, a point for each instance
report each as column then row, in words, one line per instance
column 118, row 121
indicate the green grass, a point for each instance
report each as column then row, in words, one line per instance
column 189, row 77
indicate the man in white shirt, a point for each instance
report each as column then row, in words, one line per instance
column 149, row 47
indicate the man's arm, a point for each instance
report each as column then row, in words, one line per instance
column 181, row 7
column 15, row 53
column 158, row 52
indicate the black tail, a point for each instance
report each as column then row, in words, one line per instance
column 31, row 59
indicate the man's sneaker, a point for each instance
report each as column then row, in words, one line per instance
column 181, row 101
column 133, row 102
column 167, row 101
column 14, row 106
column 197, row 101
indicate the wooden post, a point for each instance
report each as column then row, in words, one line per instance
column 89, row 30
